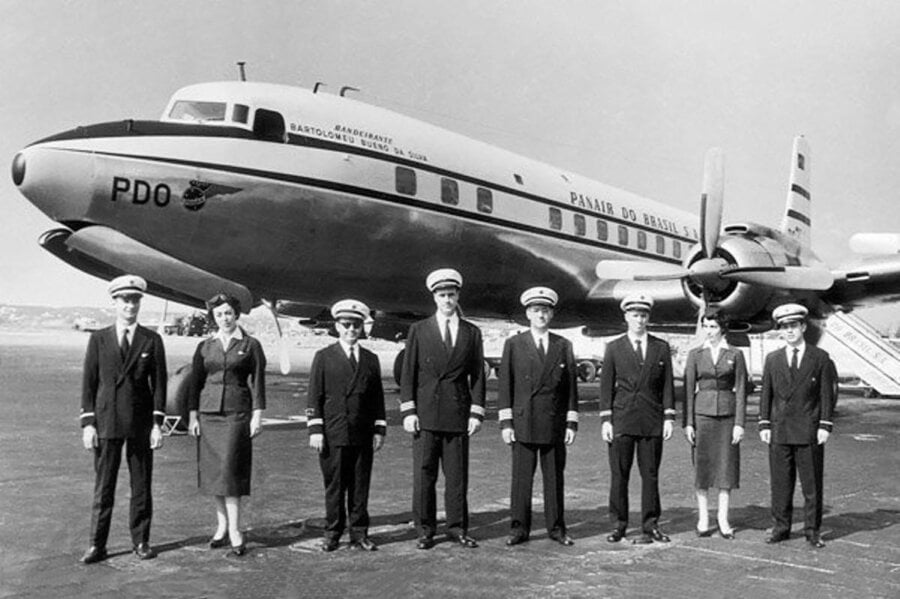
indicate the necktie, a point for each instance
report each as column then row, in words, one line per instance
column 448, row 340
column 124, row 346
column 639, row 353
column 541, row 352
column 794, row 365
column 353, row 362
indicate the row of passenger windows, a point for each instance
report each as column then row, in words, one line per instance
column 406, row 184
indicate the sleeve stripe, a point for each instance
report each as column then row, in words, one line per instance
column 158, row 413
column 669, row 412
column 477, row 410
column 572, row 416
column 828, row 422
column 407, row 405
column 765, row 421
column 87, row 415
column 315, row 422
column 505, row 414
column 605, row 413
column 381, row 423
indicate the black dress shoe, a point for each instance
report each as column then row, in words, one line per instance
column 94, row 554
column 425, row 543
column 616, row 535
column 144, row 551
column 815, row 541
column 465, row 541
column 728, row 536
column 706, row 533
column 215, row 543
column 364, row 544
column 516, row 539
column 237, row 551
column 329, row 545
column 777, row 538
column 659, row 536
column 562, row 539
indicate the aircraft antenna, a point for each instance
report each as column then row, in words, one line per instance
column 347, row 88
column 240, row 65
column 316, row 86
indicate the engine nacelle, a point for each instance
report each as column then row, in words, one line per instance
column 739, row 300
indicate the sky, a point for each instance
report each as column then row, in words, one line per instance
column 631, row 93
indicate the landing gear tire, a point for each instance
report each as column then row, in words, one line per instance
column 587, row 371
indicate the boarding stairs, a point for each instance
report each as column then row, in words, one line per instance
column 857, row 347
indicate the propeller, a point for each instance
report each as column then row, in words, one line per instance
column 712, row 272
column 284, row 358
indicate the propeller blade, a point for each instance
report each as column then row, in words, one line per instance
column 628, row 270
column 284, row 357
column 712, row 200
column 783, row 277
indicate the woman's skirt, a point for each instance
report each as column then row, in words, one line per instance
column 717, row 461
column 225, row 454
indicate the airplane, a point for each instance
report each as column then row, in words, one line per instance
column 295, row 198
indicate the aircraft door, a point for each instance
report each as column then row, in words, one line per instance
column 268, row 125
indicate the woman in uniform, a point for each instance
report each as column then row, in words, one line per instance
column 226, row 398
column 715, row 380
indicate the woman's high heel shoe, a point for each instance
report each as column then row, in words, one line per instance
column 217, row 543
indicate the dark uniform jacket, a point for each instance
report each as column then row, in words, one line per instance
column 123, row 399
column 715, row 389
column 347, row 406
column 537, row 397
column 795, row 408
column 232, row 380
column 444, row 391
column 637, row 400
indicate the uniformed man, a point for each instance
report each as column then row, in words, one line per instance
column 795, row 407
column 537, row 397
column 442, row 405
column 123, row 404
column 346, row 423
column 637, row 412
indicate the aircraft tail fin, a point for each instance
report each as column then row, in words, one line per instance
column 797, row 222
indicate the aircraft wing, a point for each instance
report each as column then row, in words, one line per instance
column 106, row 253
column 869, row 282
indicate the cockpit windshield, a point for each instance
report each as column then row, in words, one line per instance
column 202, row 112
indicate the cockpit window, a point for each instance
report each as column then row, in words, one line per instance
column 202, row 112
column 240, row 113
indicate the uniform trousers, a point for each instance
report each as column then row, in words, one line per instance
column 450, row 452
column 785, row 463
column 525, row 457
column 621, row 457
column 347, row 472
column 107, row 458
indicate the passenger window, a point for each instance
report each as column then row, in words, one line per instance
column 268, row 125
column 623, row 235
column 676, row 249
column 642, row 240
column 555, row 219
column 518, row 178
column 485, row 200
column 449, row 191
column 240, row 113
column 580, row 226
column 660, row 244
column 602, row 230
column 406, row 181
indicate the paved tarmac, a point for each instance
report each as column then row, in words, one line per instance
column 46, row 481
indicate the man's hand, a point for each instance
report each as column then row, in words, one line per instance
column 411, row 423
column 737, row 434
column 156, row 437
column 474, row 426
column 668, row 427
column 194, row 424
column 509, row 435
column 255, row 424
column 689, row 434
column 317, row 441
column 377, row 442
column 89, row 436
column 606, row 432
column 570, row 436
column 765, row 436
column 822, row 436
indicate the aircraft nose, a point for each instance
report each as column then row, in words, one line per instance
column 18, row 169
